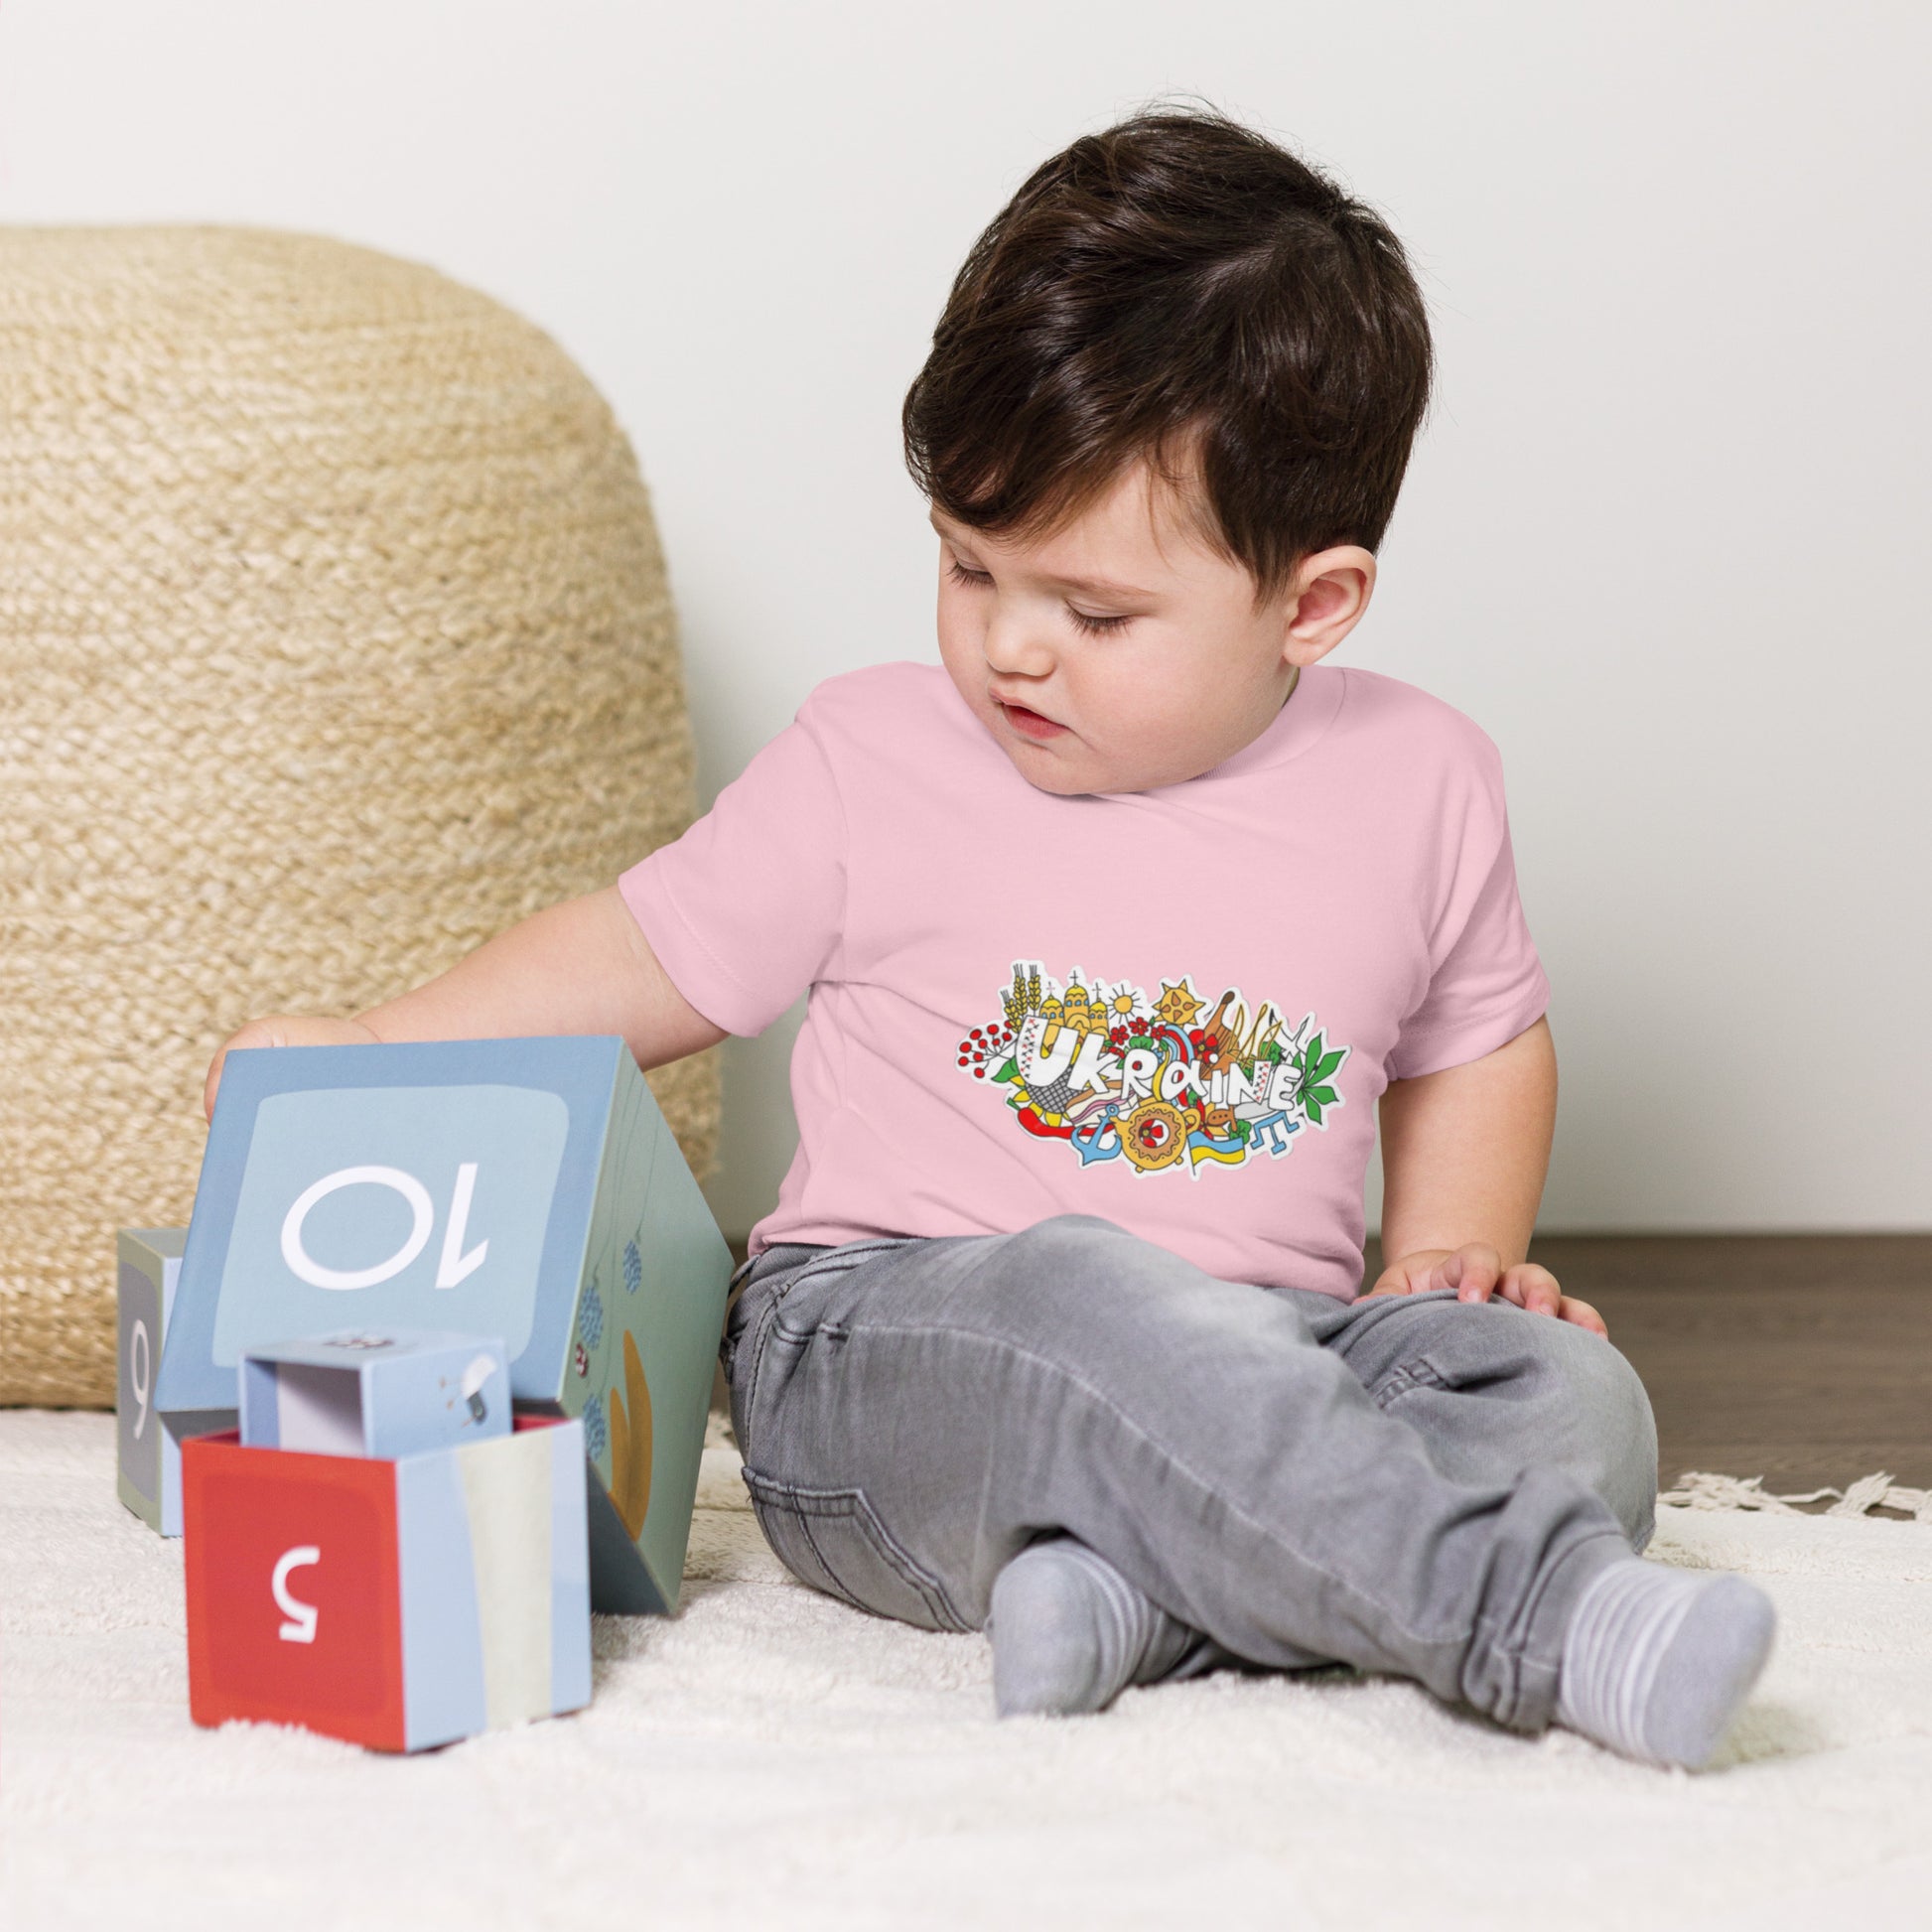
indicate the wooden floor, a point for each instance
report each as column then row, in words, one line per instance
column 1805, row 1360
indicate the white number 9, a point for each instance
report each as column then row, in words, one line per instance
column 301, row 1624
column 139, row 1360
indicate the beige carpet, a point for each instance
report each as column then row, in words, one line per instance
column 772, row 1759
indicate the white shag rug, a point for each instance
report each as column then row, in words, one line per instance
column 772, row 1759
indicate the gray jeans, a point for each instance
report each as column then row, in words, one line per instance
column 1410, row 1484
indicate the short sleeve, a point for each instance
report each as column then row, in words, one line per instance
column 745, row 910
column 1486, row 983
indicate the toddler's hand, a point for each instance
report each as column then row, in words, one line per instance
column 285, row 1030
column 1476, row 1272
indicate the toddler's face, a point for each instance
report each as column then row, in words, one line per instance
column 1121, row 652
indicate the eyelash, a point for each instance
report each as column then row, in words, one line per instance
column 1094, row 626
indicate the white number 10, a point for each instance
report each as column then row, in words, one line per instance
column 453, row 1265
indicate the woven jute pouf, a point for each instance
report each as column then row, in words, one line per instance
column 333, row 639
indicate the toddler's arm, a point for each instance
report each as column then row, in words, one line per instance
column 582, row 967
column 1464, row 1153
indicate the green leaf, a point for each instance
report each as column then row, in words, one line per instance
column 1312, row 1108
column 1328, row 1063
column 1311, row 1053
column 1327, row 1096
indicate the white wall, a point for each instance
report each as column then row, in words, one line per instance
column 1665, row 538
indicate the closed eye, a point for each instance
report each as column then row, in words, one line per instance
column 1094, row 626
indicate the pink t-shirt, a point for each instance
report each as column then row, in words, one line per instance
column 1172, row 1009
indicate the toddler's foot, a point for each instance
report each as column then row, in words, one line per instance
column 1657, row 1662
column 1069, row 1633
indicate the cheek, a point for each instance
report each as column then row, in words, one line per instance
column 960, row 650
column 1138, row 691
column 958, row 635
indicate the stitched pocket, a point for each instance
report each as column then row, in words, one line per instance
column 833, row 1539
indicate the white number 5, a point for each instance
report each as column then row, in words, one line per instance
column 301, row 1624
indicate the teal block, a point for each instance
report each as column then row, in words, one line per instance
column 524, row 1188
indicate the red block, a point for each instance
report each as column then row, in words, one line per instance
column 294, row 1605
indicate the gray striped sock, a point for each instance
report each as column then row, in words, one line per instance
column 1656, row 1662
column 1069, row 1633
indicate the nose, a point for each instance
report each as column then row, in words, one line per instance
column 1014, row 648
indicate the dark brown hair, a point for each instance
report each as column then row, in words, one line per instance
column 1178, row 289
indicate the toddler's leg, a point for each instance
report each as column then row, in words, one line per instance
column 1655, row 1661
column 910, row 1425
column 1494, row 1391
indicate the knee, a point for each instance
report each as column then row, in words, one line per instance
column 1606, row 1425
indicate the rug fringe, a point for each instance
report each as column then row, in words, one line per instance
column 1700, row 1489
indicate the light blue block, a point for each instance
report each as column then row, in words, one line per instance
column 442, row 1629
column 389, row 1394
column 495, row 1591
column 527, row 1188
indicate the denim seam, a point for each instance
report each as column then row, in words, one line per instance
column 768, row 1321
column 831, row 1576
column 852, row 1504
column 1404, row 1378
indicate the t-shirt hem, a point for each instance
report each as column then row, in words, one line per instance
column 1457, row 1047
column 692, row 967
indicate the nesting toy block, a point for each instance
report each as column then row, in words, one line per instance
column 399, row 1604
column 374, row 1395
column 526, row 1188
column 148, row 1268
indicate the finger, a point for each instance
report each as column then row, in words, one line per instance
column 1532, row 1287
column 1472, row 1271
column 257, row 1032
column 1397, row 1279
column 1583, row 1315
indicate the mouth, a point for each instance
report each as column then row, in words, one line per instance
column 1030, row 724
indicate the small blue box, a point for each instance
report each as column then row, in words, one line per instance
column 384, row 1395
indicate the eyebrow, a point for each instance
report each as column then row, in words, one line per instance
column 1093, row 586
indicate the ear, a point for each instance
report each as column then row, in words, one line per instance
column 1325, row 601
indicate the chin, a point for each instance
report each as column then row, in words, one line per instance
column 1045, row 772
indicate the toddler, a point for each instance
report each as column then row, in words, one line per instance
column 1120, row 924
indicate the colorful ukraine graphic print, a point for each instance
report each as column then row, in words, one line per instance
column 1121, row 1076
